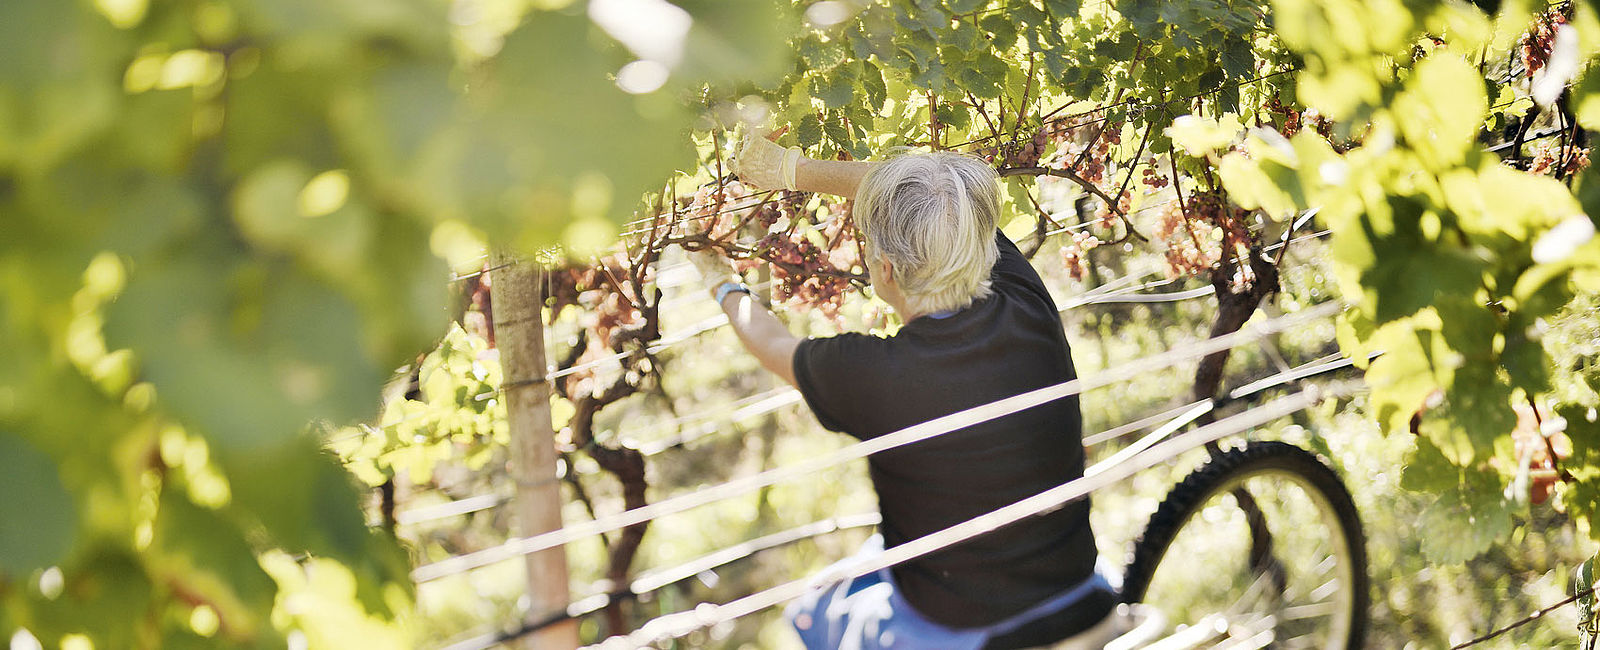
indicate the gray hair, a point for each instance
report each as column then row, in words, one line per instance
column 932, row 216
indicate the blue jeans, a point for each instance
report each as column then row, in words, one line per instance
column 869, row 613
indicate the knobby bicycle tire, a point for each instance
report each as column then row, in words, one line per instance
column 1224, row 473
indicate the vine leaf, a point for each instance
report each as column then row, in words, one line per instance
column 1467, row 520
column 38, row 520
column 1407, row 373
column 1441, row 110
column 205, row 555
column 1581, row 497
column 247, row 352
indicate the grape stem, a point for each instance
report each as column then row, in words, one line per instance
column 1085, row 184
column 1549, row 447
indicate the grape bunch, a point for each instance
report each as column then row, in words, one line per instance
column 806, row 275
column 1152, row 177
column 1093, row 168
column 590, row 287
column 1027, row 154
column 1064, row 135
column 718, row 210
column 1548, row 160
column 1074, row 253
column 1287, row 119
column 1193, row 244
column 1536, row 44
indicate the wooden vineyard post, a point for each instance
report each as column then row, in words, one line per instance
column 517, row 292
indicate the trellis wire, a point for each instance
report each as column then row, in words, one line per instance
column 455, row 508
column 521, row 546
column 1172, row 420
column 1529, row 138
column 1526, row 619
column 1112, row 292
column 652, row 581
column 708, row 615
column 761, row 197
column 773, row 400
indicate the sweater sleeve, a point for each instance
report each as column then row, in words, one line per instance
column 830, row 373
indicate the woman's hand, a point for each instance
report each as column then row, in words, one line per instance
column 714, row 270
column 763, row 164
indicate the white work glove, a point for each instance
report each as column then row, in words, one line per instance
column 761, row 163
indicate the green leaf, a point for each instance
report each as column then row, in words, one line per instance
column 1062, row 9
column 302, row 497
column 871, row 79
column 1441, row 109
column 203, row 553
column 834, row 127
column 931, row 77
column 108, row 594
column 38, row 520
column 1407, row 373
column 1238, row 58
column 1463, row 523
column 1401, row 269
column 1200, row 136
column 248, row 353
column 738, row 41
column 1478, row 404
column 809, row 130
column 1587, row 94
column 1002, row 31
column 1581, row 497
column 983, row 74
column 835, row 90
column 821, row 57
column 280, row 208
column 1428, row 471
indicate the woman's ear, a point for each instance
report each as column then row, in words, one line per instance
column 883, row 270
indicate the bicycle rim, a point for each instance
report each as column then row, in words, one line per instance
column 1260, row 547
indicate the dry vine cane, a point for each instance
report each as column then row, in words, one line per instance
column 617, row 291
column 806, row 272
column 625, row 320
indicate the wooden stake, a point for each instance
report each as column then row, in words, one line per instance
column 517, row 292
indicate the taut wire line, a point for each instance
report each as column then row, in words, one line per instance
column 1096, row 477
column 976, row 415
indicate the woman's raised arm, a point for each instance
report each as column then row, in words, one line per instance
column 760, row 162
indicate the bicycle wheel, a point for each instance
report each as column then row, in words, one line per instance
column 1259, row 547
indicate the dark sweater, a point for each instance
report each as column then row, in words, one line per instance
column 1008, row 343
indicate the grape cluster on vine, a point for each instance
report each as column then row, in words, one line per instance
column 752, row 234
column 1536, row 44
column 1153, row 178
column 1289, row 121
column 1074, row 253
column 1026, row 153
column 598, row 289
column 1202, row 229
column 1558, row 160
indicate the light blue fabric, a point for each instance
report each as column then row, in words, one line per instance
column 869, row 613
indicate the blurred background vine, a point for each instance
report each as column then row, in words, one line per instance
column 249, row 377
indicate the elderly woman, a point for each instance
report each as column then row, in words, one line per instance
column 979, row 326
